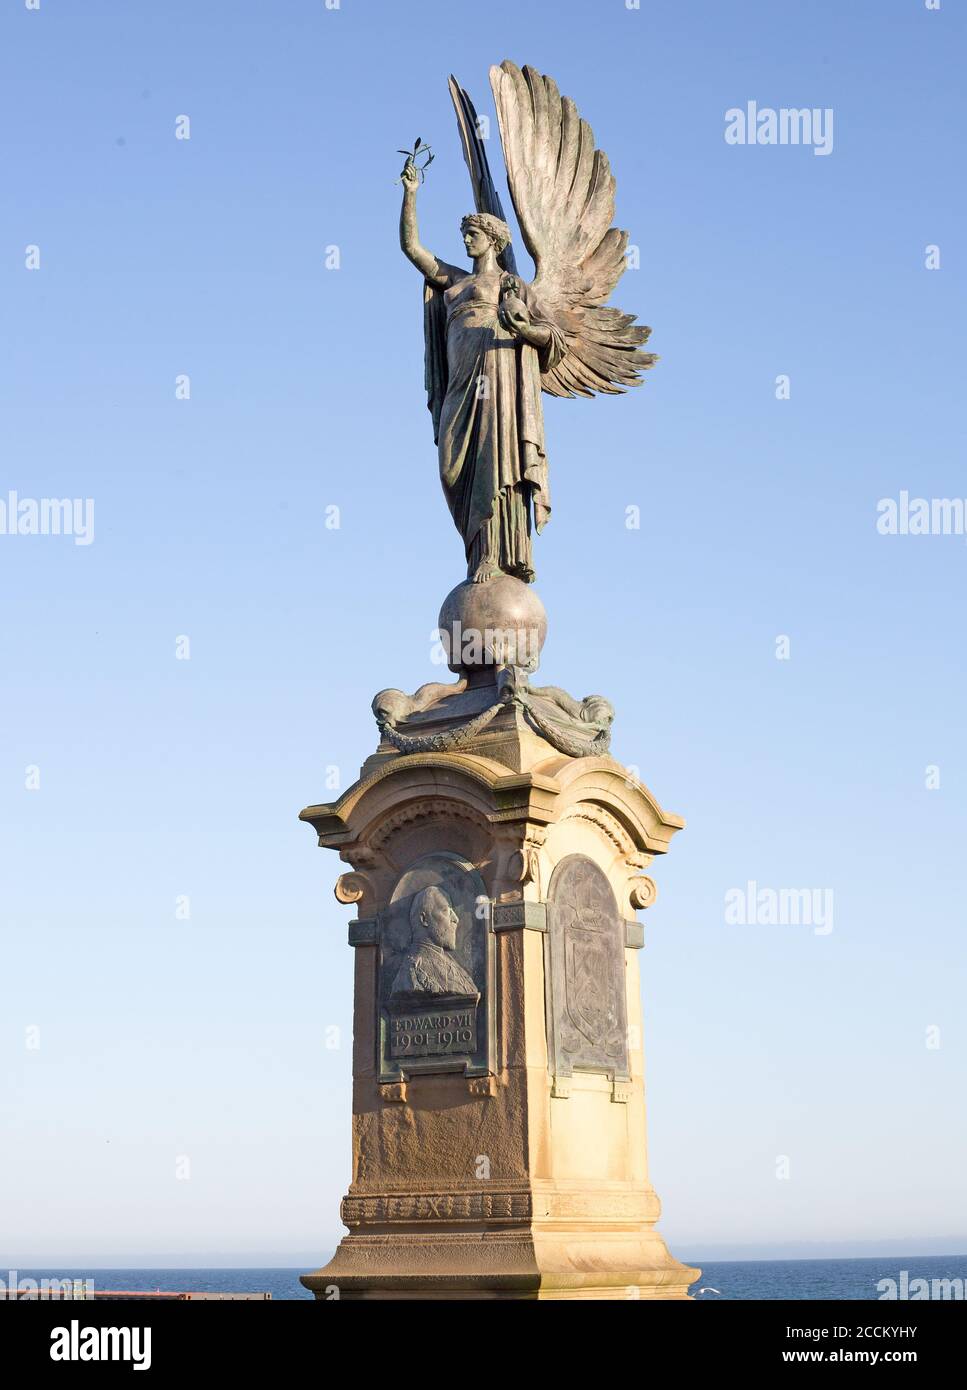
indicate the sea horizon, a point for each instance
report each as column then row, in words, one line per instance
column 901, row 1276
column 724, row 1252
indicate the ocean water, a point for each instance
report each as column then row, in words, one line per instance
column 749, row 1280
column 745, row 1280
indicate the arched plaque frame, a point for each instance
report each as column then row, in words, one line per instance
column 584, row 976
column 437, row 1032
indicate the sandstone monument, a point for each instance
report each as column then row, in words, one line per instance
column 496, row 850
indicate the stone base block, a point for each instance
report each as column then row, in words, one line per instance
column 504, row 1265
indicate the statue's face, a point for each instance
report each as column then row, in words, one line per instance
column 476, row 240
column 440, row 921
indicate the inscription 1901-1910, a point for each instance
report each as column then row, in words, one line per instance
column 434, row 1032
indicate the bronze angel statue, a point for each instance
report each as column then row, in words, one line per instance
column 494, row 343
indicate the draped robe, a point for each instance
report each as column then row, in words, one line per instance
column 483, row 390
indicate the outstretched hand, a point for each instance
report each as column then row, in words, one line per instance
column 410, row 177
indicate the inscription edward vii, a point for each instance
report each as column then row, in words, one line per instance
column 437, row 1032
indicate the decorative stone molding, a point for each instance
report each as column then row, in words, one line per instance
column 528, row 865
column 364, row 932
column 416, row 811
column 634, row 936
column 530, row 916
column 393, row 1091
column 595, row 1205
column 605, row 822
column 437, row 1206
column 362, row 858
column 639, row 861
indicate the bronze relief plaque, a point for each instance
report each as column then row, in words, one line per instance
column 587, row 1027
column 436, row 967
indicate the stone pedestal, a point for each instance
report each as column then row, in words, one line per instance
column 498, row 1076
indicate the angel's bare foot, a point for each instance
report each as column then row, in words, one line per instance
column 487, row 569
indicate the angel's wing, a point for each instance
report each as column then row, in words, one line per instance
column 563, row 193
column 485, row 195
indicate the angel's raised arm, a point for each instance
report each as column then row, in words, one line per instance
column 437, row 272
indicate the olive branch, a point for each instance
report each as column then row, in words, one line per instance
column 413, row 155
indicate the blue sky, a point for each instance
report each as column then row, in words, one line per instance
column 212, row 1038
